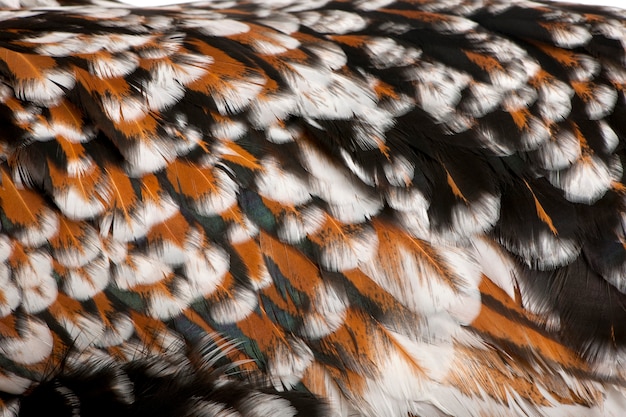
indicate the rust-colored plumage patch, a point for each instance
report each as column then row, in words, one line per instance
column 240, row 156
column 301, row 272
column 23, row 207
column 521, row 118
column 506, row 320
column 152, row 332
column 223, row 69
column 71, row 234
column 174, row 230
column 485, row 62
column 252, row 257
column 26, row 66
column 191, row 180
column 564, row 57
column 391, row 238
column 123, row 196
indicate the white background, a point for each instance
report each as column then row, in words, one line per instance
column 617, row 3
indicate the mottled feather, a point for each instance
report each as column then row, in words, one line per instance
column 347, row 208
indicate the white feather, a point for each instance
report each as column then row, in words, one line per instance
column 113, row 66
column 47, row 91
column 545, row 251
column 329, row 312
column 137, row 270
column 387, row 53
column 470, row 219
column 10, row 297
column 34, row 344
column 222, row 27
column 76, row 257
column 238, row 95
column 273, row 109
column 610, row 138
column 165, row 306
column 258, row 404
column 229, row 129
column 497, row 265
column 280, row 185
column 438, row 88
column 6, row 247
column 484, row 99
column 84, row 330
column 73, row 204
column 238, row 307
column 348, row 252
column 222, row 198
column 288, row 362
column 349, row 201
column 555, row 100
column 292, row 227
column 587, row 180
column 239, row 233
column 280, row 135
column 12, row 384
column 337, row 22
column 560, row 152
column 570, row 36
column 278, row 44
column 147, row 155
column 205, row 269
column 124, row 109
column 86, row 282
column 34, row 277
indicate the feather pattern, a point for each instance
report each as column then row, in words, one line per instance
column 348, row 208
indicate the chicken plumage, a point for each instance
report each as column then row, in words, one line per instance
column 350, row 208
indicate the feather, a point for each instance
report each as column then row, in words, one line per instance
column 210, row 190
column 26, row 214
column 131, row 389
column 305, row 208
column 35, row 77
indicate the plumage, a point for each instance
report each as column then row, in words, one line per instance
column 314, row 208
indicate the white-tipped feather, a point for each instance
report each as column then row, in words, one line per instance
column 165, row 305
column 10, row 297
column 33, row 345
column 348, row 200
column 281, row 186
column 333, row 21
column 12, row 384
column 586, row 181
column 85, row 282
column 47, row 91
column 36, row 236
column 294, row 227
column 36, row 282
column 238, row 307
column 288, row 363
column 73, row 203
column 205, row 269
column 328, row 313
column 139, row 270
